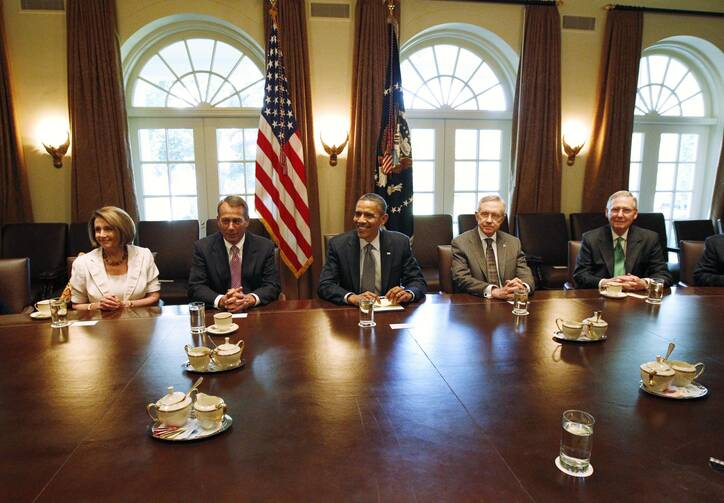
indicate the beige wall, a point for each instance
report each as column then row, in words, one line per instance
column 36, row 44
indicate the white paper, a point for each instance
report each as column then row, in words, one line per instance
column 240, row 315
column 383, row 304
column 398, row 326
column 84, row 323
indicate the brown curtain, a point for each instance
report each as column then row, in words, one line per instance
column 371, row 48
column 608, row 161
column 294, row 45
column 15, row 205
column 717, row 202
column 536, row 135
column 102, row 172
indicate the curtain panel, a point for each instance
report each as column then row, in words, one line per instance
column 607, row 167
column 371, row 48
column 295, row 47
column 102, row 173
column 15, row 204
column 717, row 202
column 536, row 134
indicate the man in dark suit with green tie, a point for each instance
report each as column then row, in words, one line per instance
column 620, row 252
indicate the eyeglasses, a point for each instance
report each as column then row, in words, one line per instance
column 485, row 215
column 623, row 211
column 229, row 221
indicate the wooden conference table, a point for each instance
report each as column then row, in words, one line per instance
column 463, row 406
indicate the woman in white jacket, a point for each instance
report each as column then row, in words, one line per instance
column 116, row 274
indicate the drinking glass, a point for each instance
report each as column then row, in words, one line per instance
column 58, row 313
column 576, row 440
column 656, row 291
column 367, row 313
column 197, row 316
column 520, row 302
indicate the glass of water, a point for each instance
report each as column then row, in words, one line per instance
column 655, row 291
column 367, row 313
column 576, row 440
column 197, row 317
column 520, row 302
column 58, row 313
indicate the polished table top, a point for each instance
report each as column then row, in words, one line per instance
column 465, row 404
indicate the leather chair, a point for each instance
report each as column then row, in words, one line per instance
column 466, row 221
column 444, row 265
column 583, row 222
column 327, row 237
column 255, row 227
column 78, row 240
column 655, row 222
column 45, row 245
column 719, row 228
column 430, row 231
column 690, row 253
column 573, row 248
column 15, row 286
column 693, row 230
column 173, row 243
column 544, row 238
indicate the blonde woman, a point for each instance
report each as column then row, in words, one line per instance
column 116, row 274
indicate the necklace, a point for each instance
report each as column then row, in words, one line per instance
column 113, row 263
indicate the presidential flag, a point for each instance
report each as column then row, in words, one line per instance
column 281, row 180
column 393, row 176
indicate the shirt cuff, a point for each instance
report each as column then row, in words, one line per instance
column 346, row 297
column 411, row 293
column 256, row 297
column 488, row 292
column 216, row 301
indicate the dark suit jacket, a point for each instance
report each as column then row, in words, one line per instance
column 710, row 269
column 341, row 272
column 470, row 270
column 210, row 274
column 644, row 257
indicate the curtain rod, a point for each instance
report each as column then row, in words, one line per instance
column 513, row 2
column 656, row 10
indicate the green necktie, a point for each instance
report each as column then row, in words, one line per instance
column 618, row 259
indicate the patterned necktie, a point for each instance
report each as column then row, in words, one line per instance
column 235, row 266
column 368, row 271
column 490, row 259
column 618, row 259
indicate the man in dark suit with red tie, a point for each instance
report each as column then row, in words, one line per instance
column 232, row 269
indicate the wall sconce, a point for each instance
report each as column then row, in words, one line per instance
column 58, row 152
column 334, row 150
column 577, row 135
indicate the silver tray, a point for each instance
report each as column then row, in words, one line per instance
column 560, row 338
column 212, row 368
column 690, row 392
column 192, row 425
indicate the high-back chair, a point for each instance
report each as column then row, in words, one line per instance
column 15, row 285
column 444, row 264
column 173, row 243
column 544, row 238
column 78, row 240
column 573, row 248
column 693, row 230
column 584, row 222
column 656, row 222
column 430, row 231
column 690, row 253
column 45, row 245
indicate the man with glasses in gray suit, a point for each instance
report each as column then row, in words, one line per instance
column 486, row 261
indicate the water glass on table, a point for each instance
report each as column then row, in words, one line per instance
column 58, row 313
column 576, row 441
column 367, row 313
column 520, row 302
column 655, row 291
column 197, row 316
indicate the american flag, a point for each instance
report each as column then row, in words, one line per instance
column 281, row 180
column 393, row 176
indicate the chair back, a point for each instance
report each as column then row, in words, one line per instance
column 14, row 285
column 544, row 235
column 690, row 253
column 444, row 265
column 573, row 248
column 719, row 228
column 44, row 244
column 173, row 242
column 78, row 240
column 430, row 231
column 327, row 238
column 584, row 222
column 466, row 221
column 693, row 230
column 655, row 222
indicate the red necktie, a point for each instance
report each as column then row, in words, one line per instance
column 235, row 266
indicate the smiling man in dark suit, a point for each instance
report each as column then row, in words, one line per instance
column 233, row 269
column 368, row 262
column 486, row 261
column 620, row 252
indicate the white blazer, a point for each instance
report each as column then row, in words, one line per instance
column 89, row 281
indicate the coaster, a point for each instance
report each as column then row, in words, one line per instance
column 586, row 473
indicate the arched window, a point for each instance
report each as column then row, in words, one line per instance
column 677, row 130
column 194, row 89
column 458, row 85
